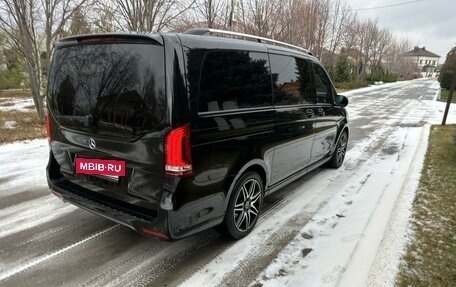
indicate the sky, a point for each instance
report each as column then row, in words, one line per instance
column 428, row 23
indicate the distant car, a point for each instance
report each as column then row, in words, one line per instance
column 171, row 134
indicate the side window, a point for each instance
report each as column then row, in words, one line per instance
column 234, row 80
column 291, row 80
column 307, row 90
column 323, row 85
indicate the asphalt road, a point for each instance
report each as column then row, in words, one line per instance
column 44, row 242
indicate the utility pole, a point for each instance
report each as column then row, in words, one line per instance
column 450, row 98
column 450, row 66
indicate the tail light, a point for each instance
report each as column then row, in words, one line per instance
column 178, row 159
column 48, row 127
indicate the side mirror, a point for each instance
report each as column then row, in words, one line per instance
column 341, row 100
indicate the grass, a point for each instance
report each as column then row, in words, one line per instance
column 18, row 125
column 430, row 258
column 27, row 126
column 344, row 86
column 444, row 96
column 15, row 94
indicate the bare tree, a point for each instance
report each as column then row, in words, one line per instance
column 397, row 63
column 57, row 13
column 206, row 14
column 101, row 16
column 145, row 15
column 260, row 17
column 366, row 33
column 18, row 20
column 342, row 17
column 23, row 22
column 212, row 12
column 383, row 45
column 306, row 24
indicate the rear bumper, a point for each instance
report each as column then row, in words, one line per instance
column 158, row 227
column 145, row 217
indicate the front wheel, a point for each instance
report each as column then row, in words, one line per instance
column 244, row 207
column 339, row 153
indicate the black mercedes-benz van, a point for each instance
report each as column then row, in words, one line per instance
column 171, row 134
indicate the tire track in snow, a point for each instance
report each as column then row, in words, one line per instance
column 30, row 214
column 260, row 257
column 279, row 201
column 5, row 274
column 133, row 257
column 26, row 195
column 53, row 235
column 163, row 262
column 243, row 271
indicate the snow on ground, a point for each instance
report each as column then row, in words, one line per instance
column 357, row 209
column 386, row 263
column 23, row 173
column 361, row 246
column 10, row 124
column 16, row 104
column 25, row 163
column 354, row 219
column 341, row 242
column 358, row 236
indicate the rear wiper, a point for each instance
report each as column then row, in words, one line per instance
column 86, row 120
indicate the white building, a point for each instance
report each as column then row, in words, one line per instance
column 425, row 60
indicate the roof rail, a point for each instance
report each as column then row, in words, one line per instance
column 203, row 31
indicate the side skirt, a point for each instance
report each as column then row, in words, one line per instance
column 296, row 176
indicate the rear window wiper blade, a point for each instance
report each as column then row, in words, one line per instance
column 86, row 120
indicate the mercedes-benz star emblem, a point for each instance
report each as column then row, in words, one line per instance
column 92, row 143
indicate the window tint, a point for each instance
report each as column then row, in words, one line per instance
column 291, row 81
column 323, row 85
column 108, row 88
column 234, row 80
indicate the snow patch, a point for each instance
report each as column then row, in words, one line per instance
column 345, row 234
column 385, row 267
column 10, row 125
column 16, row 104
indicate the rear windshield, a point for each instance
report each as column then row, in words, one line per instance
column 111, row 88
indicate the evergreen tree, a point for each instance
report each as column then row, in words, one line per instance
column 448, row 69
column 79, row 24
column 342, row 71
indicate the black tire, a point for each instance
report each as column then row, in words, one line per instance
column 339, row 153
column 244, row 207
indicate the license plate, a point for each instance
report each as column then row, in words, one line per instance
column 93, row 166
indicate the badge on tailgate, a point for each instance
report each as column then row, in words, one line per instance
column 95, row 166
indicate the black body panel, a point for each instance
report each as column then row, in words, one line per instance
column 241, row 119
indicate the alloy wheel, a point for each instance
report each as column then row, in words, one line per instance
column 341, row 148
column 247, row 205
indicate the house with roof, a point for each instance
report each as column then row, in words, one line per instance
column 425, row 60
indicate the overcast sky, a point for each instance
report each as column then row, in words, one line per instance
column 429, row 23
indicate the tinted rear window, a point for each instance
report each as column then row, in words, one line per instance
column 115, row 88
column 234, row 80
column 291, row 81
